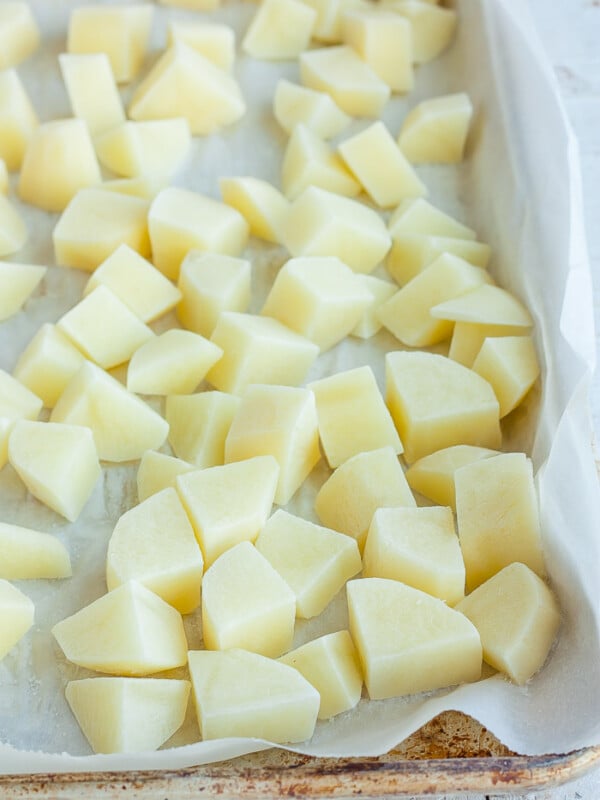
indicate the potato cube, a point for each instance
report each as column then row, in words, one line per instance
column 315, row 562
column 433, row 27
column 510, row 365
column 213, row 41
column 18, row 119
column 409, row 641
column 280, row 421
column 384, row 41
column 17, row 283
column 199, row 424
column 348, row 499
column 129, row 631
column 436, row 130
column 380, row 291
column 321, row 223
column 229, row 504
column 92, row 90
column 13, row 232
column 155, row 147
column 411, row 253
column 180, row 220
column 29, row 554
column 416, row 215
column 468, row 338
column 16, row 400
column 497, row 516
column 262, row 205
column 158, row 471
column 244, row 694
column 330, row 17
column 247, row 604
column 279, row 30
column 6, row 426
column 128, row 715
column 146, row 187
column 293, row 104
column 436, row 403
column 16, row 616
column 486, row 305
column 19, row 33
column 517, row 617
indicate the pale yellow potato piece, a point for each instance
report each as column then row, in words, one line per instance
column 146, row 187
column 433, row 27
column 19, row 33
column 229, row 504
column 17, row 284
column 262, row 205
column 180, row 220
column 369, row 480
column 279, row 30
column 384, row 41
column 58, row 463
column 436, row 130
column 510, row 365
column 173, row 363
column 419, row 547
column 322, row 223
column 199, row 424
column 294, row 105
column 16, row 616
column 433, row 475
column 258, row 349
column 352, row 84
column 214, row 41
column 29, row 554
column 380, row 291
column 244, row 694
column 315, row 562
column 310, row 161
column 352, row 415
column 155, row 147
column 18, row 119
column 497, row 516
column 411, row 253
column 417, row 215
column 124, row 427
column 16, row 400
column 95, row 223
column 280, row 421
column 487, row 305
column 517, row 617
column 6, row 426
column 247, row 604
column 129, row 631
column 13, row 231
column 58, row 162
column 436, row 403
column 122, row 32
column 407, row 313
column 158, row 471
column 209, row 284
column 92, row 90
column 104, row 328
column 4, row 179
column 128, row 715
column 330, row 16
column 320, row 298
column 183, row 83
column 330, row 663
column 468, row 338
column 154, row 543
column 195, row 5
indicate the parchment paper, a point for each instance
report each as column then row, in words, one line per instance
column 519, row 187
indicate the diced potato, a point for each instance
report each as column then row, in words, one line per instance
column 320, row 298
column 199, row 424
column 262, row 205
column 416, row 215
column 279, row 30
column 156, row 147
column 29, row 554
column 315, row 562
column 180, row 220
column 146, row 187
column 158, row 471
column 58, row 162
column 258, row 350
column 353, row 85
column 58, row 463
column 321, row 223
column 436, row 130
column 409, row 641
column 4, row 178
column 433, row 27
column 352, row 415
column 230, row 504
column 128, row 715
column 419, row 547
column 330, row 663
column 380, row 291
column 17, row 283
column 294, row 105
column 487, row 305
column 196, row 5
column 330, row 15
column 384, row 41
column 124, row 427
column 16, row 616
column 497, row 516
column 244, row 694
column 154, row 543
column 19, row 33
column 129, row 631
column 510, row 365
column 517, row 617
column 247, row 604
column 436, row 403
column 370, row 480
column 411, row 253
column 16, row 400
column 214, row 41
column 95, row 223
column 468, row 338
column 13, row 232
column 92, row 90
column 18, row 119
column 122, row 32
column 6, row 426
column 280, row 421
column 183, row 83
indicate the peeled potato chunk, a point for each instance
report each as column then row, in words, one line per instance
column 29, row 554
column 262, row 205
column 247, row 604
column 315, row 562
column 158, row 471
column 154, row 543
column 19, row 33
column 510, row 365
column 411, row 253
column 128, row 715
column 433, row 27
column 330, row 16
column 330, row 663
column 436, row 130
column 199, row 424
column 214, row 41
column 380, row 291
column 16, row 400
column 146, row 186
column 279, row 30
column 13, row 232
column 92, row 90
column 6, row 426
column 294, row 105
column 244, row 694
column 517, row 617
column 17, row 283
column 497, row 516
column 196, row 5
column 468, row 337
column 18, row 119
column 384, row 41
column 156, row 147
column 16, row 616
column 487, row 305
column 416, row 215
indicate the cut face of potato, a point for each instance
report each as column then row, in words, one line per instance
column 212, row 40
column 380, row 291
column 29, row 554
column 16, row 616
column 433, row 27
column 262, row 205
column 158, row 471
column 486, row 305
column 280, row 29
column 416, row 215
column 13, row 232
column 16, row 400
column 294, row 105
column 19, row 33
column 468, row 338
column 510, row 365
column 411, row 253
column 144, row 187
column 436, row 130
column 18, row 119
column 92, row 91
column 17, row 283
column 330, row 17
column 384, row 41
column 199, row 424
